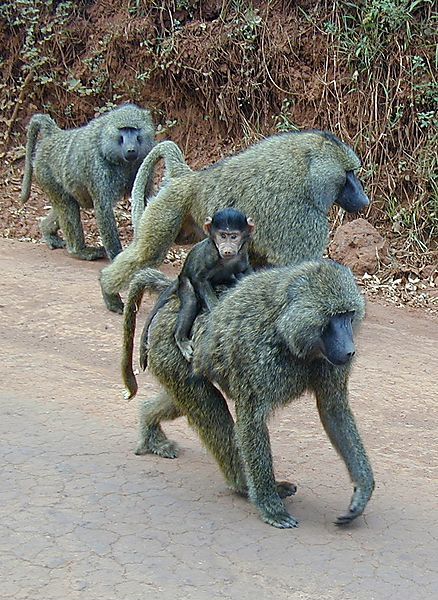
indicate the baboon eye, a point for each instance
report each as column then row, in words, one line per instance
column 120, row 139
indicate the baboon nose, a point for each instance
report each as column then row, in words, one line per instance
column 347, row 357
column 131, row 154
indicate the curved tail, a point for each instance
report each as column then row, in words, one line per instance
column 38, row 123
column 175, row 166
column 149, row 280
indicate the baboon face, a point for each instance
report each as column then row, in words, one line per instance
column 325, row 309
column 228, row 243
column 229, row 229
column 125, row 145
column 131, row 142
column 336, row 343
column 352, row 197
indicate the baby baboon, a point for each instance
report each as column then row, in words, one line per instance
column 90, row 167
column 222, row 258
column 277, row 334
column 287, row 183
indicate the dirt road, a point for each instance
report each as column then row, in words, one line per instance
column 83, row 517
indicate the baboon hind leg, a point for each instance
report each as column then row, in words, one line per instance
column 71, row 225
column 152, row 439
column 49, row 227
column 264, row 491
column 157, row 229
column 68, row 214
column 207, row 412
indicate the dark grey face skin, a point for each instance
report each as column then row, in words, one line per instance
column 336, row 342
column 352, row 197
column 130, row 142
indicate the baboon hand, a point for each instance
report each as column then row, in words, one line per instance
column 358, row 503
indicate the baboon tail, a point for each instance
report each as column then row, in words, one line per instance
column 38, row 123
column 150, row 280
column 175, row 166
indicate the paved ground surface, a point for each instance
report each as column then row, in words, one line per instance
column 83, row 517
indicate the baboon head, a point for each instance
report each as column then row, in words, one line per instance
column 229, row 229
column 343, row 186
column 127, row 134
column 322, row 314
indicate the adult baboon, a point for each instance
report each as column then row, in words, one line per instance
column 287, row 183
column 277, row 334
column 89, row 167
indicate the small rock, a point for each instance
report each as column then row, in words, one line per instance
column 360, row 246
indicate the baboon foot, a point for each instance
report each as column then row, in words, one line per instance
column 281, row 519
column 286, row 488
column 89, row 253
column 154, row 441
column 186, row 349
column 273, row 512
column 113, row 302
column 54, row 242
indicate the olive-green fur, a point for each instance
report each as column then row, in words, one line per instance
column 256, row 345
column 154, row 281
column 282, row 182
column 85, row 167
column 175, row 166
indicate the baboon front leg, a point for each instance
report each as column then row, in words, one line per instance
column 107, row 226
column 152, row 439
column 49, row 227
column 264, row 492
column 340, row 426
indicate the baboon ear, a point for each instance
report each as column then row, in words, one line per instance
column 251, row 225
column 207, row 226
